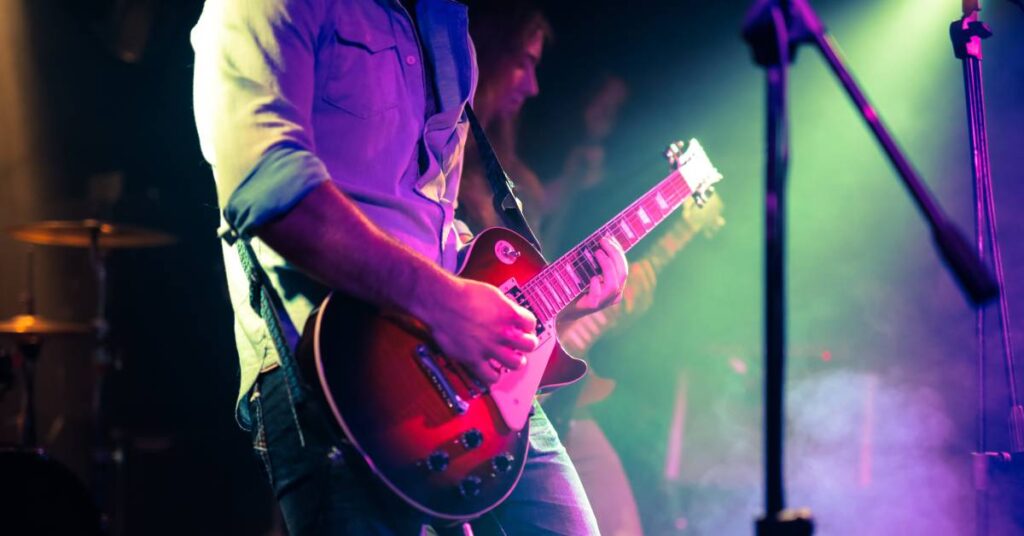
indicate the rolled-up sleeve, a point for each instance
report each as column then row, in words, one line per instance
column 253, row 92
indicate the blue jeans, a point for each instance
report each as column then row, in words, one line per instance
column 324, row 488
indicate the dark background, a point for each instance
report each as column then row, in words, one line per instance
column 97, row 122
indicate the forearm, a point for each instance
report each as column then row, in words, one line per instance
column 327, row 236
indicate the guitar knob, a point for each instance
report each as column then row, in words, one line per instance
column 502, row 463
column 437, row 461
column 472, row 439
column 470, row 486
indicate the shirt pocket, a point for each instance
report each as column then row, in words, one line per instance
column 364, row 74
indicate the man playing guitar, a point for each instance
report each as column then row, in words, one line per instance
column 335, row 131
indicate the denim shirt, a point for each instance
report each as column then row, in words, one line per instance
column 289, row 94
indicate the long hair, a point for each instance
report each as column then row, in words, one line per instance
column 500, row 30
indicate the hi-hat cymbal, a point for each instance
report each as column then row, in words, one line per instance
column 81, row 233
column 29, row 325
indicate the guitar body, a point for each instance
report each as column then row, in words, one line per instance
column 432, row 435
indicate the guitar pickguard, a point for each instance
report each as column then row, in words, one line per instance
column 513, row 393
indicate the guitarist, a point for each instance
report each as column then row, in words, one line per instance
column 335, row 131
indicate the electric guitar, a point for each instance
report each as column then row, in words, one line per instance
column 577, row 338
column 439, row 440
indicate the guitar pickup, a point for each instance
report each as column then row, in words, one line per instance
column 513, row 291
column 436, row 376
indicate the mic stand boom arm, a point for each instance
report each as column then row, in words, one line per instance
column 774, row 29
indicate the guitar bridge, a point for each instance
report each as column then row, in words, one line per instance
column 436, row 376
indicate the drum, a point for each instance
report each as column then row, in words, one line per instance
column 40, row 496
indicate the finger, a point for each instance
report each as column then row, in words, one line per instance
column 523, row 318
column 595, row 289
column 618, row 258
column 610, row 276
column 615, row 277
column 516, row 339
column 508, row 358
column 605, row 260
column 484, row 372
column 614, row 295
column 586, row 301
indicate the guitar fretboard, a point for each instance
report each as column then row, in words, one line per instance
column 562, row 281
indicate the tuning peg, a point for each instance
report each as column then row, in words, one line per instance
column 700, row 198
column 673, row 152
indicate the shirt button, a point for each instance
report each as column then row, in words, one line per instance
column 410, row 59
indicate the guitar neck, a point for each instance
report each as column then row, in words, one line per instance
column 579, row 336
column 562, row 281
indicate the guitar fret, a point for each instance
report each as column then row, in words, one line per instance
column 560, row 300
column 583, row 272
column 553, row 293
column 575, row 277
column 625, row 228
column 662, row 203
column 544, row 304
column 570, row 294
column 621, row 239
column 638, row 232
column 588, row 262
column 541, row 305
column 568, row 290
column 549, row 300
column 564, row 290
column 654, row 209
column 644, row 218
column 536, row 304
column 555, row 288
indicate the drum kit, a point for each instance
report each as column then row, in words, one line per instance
column 46, row 497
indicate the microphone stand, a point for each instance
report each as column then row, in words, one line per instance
column 966, row 35
column 774, row 29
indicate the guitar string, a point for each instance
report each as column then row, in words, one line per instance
column 591, row 243
column 614, row 227
column 668, row 187
column 672, row 186
column 552, row 291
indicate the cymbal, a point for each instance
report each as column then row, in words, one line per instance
column 81, row 233
column 36, row 325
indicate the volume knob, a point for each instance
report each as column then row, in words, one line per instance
column 470, row 486
column 502, row 463
column 437, row 461
column 472, row 438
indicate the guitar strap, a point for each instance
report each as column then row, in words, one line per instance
column 266, row 302
column 505, row 202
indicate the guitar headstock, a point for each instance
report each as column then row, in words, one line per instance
column 696, row 169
